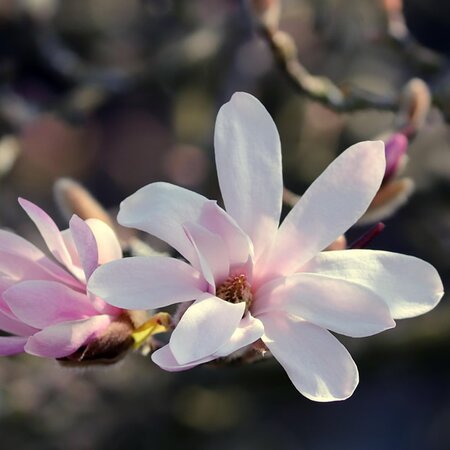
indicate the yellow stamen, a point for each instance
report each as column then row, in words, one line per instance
column 159, row 323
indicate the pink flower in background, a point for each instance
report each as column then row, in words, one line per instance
column 250, row 278
column 45, row 305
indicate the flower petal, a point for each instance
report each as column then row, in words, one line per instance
column 336, row 304
column 211, row 251
column 108, row 246
column 11, row 345
column 249, row 330
column 146, row 282
column 238, row 244
column 63, row 339
column 12, row 244
column 318, row 365
column 408, row 285
column 85, row 243
column 332, row 204
column 49, row 231
column 14, row 326
column 160, row 209
column 43, row 303
column 164, row 358
column 204, row 328
column 248, row 159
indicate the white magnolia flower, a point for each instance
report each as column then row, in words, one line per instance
column 252, row 279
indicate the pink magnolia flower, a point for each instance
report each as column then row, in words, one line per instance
column 45, row 305
column 251, row 279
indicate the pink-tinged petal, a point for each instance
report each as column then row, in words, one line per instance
column 164, row 358
column 63, row 339
column 332, row 303
column 107, row 243
column 318, row 365
column 15, row 245
column 43, row 303
column 160, row 209
column 211, row 252
column 11, row 345
column 49, row 231
column 85, row 243
column 14, row 268
column 332, row 204
column 14, row 326
column 205, row 326
column 146, row 282
column 249, row 330
column 248, row 159
column 238, row 244
column 408, row 285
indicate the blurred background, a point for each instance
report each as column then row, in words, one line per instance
column 117, row 94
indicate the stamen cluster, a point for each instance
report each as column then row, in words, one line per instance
column 236, row 289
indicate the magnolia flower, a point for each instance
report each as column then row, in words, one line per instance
column 250, row 279
column 45, row 306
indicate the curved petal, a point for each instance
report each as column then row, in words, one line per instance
column 204, row 328
column 146, row 282
column 318, row 365
column 164, row 358
column 108, row 244
column 331, row 205
column 249, row 330
column 18, row 247
column 408, row 285
column 11, row 345
column 238, row 244
column 63, row 339
column 248, row 159
column 160, row 209
column 14, row 326
column 42, row 303
column 211, row 252
column 86, row 245
column 14, row 268
column 332, row 303
column 49, row 231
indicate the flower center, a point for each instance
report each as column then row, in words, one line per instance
column 236, row 289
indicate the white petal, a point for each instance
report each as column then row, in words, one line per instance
column 249, row 330
column 408, row 285
column 318, row 365
column 164, row 358
column 108, row 245
column 239, row 246
column 248, row 159
column 161, row 209
column 211, row 252
column 146, row 282
column 336, row 304
column 332, row 204
column 204, row 328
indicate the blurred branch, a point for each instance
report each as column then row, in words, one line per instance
column 321, row 89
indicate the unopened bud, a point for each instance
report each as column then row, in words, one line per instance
column 388, row 200
column 415, row 105
column 395, row 151
column 72, row 198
